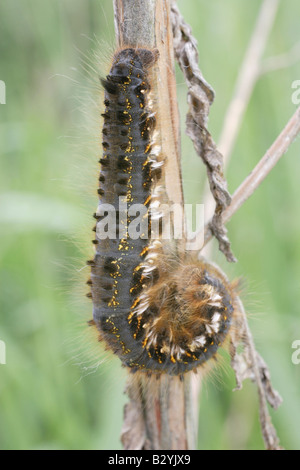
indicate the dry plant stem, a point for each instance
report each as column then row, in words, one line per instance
column 248, row 75
column 281, row 61
column 255, row 368
column 160, row 414
column 262, row 169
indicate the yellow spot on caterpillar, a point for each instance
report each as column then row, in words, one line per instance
column 137, row 300
column 147, row 200
column 147, row 148
column 123, row 245
column 130, row 148
column 146, row 162
column 124, row 349
column 144, row 251
column 129, row 318
column 114, row 329
column 115, row 275
column 128, row 104
column 137, row 268
column 138, row 327
column 113, row 302
column 158, row 356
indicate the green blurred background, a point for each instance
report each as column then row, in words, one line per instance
column 57, row 390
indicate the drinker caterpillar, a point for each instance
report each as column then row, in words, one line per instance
column 159, row 312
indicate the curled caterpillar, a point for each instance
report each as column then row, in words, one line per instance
column 179, row 321
column 157, row 312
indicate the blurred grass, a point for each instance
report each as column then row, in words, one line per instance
column 53, row 392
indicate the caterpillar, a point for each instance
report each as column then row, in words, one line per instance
column 157, row 311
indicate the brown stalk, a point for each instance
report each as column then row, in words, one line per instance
column 247, row 77
column 249, row 73
column 260, row 172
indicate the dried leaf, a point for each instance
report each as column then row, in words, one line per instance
column 200, row 97
column 248, row 364
column 273, row 397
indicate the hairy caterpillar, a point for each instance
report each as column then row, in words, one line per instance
column 157, row 312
